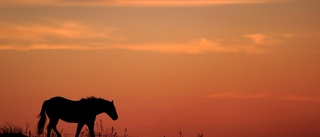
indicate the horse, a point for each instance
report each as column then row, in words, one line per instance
column 83, row 112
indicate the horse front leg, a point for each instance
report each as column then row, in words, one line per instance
column 79, row 127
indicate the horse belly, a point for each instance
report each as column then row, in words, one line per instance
column 70, row 117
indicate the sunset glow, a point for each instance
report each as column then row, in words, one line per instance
column 221, row 68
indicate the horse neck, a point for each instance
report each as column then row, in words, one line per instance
column 98, row 111
column 95, row 108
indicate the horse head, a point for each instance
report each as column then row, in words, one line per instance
column 111, row 110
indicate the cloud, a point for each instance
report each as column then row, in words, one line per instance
column 54, row 35
column 68, row 35
column 272, row 39
column 237, row 95
column 300, row 98
column 185, row 2
column 128, row 2
column 193, row 47
column 56, row 29
column 289, row 35
column 256, row 38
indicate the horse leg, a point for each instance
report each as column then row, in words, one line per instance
column 53, row 125
column 79, row 127
column 49, row 130
column 91, row 127
column 55, row 130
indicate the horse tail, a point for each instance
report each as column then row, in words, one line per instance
column 42, row 117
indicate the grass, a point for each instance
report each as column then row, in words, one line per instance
column 11, row 130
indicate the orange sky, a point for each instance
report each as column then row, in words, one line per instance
column 225, row 68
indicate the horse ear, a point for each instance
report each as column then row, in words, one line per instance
column 112, row 101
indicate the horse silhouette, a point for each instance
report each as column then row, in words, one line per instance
column 83, row 112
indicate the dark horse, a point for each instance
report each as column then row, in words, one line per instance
column 83, row 112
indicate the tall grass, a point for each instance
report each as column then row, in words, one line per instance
column 103, row 131
column 181, row 135
column 10, row 130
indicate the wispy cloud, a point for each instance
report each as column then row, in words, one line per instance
column 261, row 95
column 185, row 2
column 57, row 29
column 129, row 2
column 49, row 47
column 300, row 98
column 68, row 35
column 237, row 95
column 271, row 39
column 256, row 38
column 194, row 47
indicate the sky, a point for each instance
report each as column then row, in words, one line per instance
column 225, row 68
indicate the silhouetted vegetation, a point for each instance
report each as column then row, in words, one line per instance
column 181, row 134
column 10, row 130
column 104, row 131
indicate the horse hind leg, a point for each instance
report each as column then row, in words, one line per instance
column 79, row 127
column 53, row 125
column 91, row 128
column 49, row 130
column 57, row 132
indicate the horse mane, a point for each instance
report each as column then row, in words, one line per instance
column 93, row 99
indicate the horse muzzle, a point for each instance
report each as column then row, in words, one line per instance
column 115, row 118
